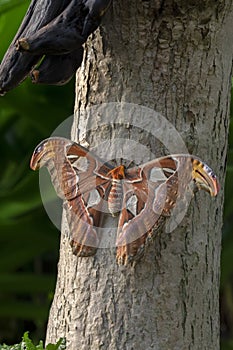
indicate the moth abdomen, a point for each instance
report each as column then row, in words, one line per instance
column 115, row 197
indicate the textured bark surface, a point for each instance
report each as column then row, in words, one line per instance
column 174, row 56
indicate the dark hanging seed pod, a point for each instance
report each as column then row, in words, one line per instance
column 16, row 66
column 60, row 36
column 58, row 70
column 50, row 27
column 96, row 10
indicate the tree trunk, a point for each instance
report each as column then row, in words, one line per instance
column 174, row 57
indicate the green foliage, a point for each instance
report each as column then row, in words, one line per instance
column 11, row 13
column 29, row 242
column 227, row 345
column 227, row 266
column 27, row 344
column 7, row 5
column 226, row 299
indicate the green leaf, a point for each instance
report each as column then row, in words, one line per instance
column 7, row 5
column 61, row 345
column 27, row 344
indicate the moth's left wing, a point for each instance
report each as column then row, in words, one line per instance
column 80, row 179
column 150, row 193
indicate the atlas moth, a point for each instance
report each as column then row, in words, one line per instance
column 143, row 196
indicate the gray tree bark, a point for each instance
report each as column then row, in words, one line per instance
column 175, row 57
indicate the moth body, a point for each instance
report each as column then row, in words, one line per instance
column 115, row 197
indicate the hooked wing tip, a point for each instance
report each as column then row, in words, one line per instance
column 215, row 186
column 37, row 155
column 205, row 178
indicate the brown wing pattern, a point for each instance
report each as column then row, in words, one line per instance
column 73, row 173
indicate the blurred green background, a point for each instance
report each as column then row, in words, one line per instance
column 29, row 243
